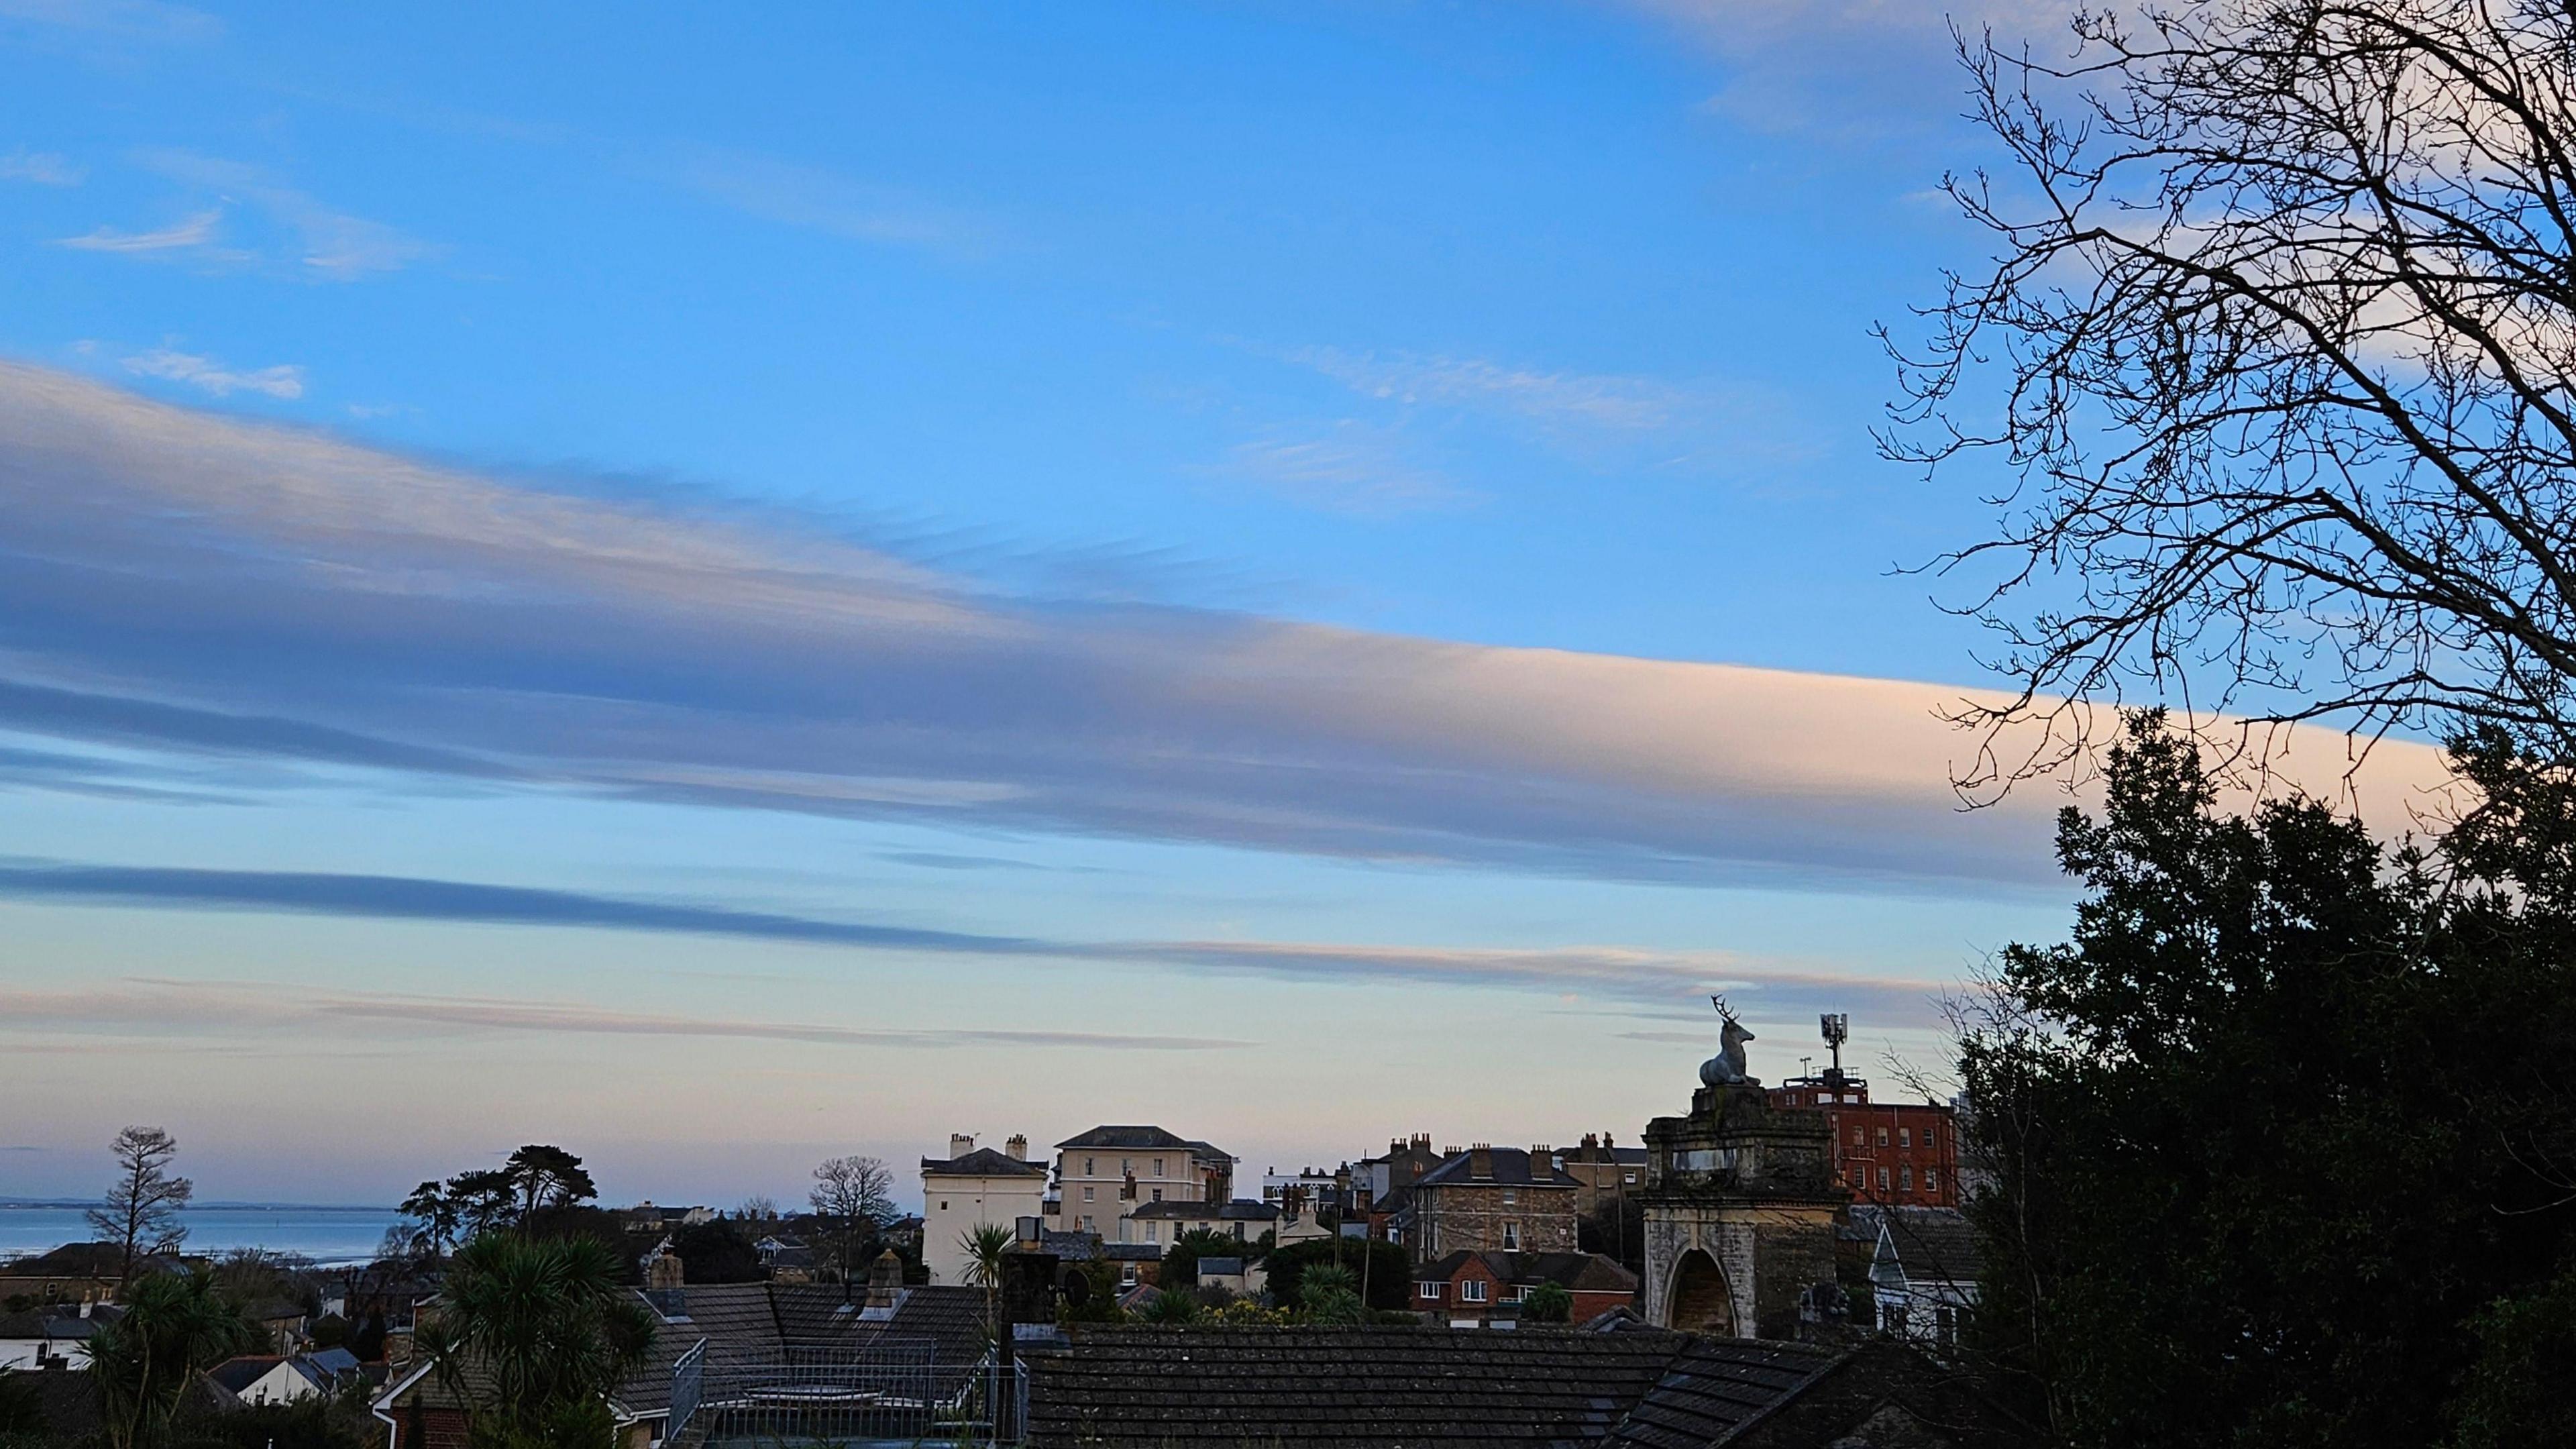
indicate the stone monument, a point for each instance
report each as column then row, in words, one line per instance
column 1739, row 1204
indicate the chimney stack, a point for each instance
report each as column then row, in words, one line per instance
column 1541, row 1157
column 1480, row 1161
column 665, row 1270
column 1018, row 1147
column 959, row 1144
column 885, row 1278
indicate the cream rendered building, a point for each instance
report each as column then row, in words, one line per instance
column 969, row 1187
column 1105, row 1174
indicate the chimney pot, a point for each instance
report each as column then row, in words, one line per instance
column 959, row 1144
column 1018, row 1147
column 1480, row 1161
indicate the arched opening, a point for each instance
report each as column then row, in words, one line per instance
column 1700, row 1300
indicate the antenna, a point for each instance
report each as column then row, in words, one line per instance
column 1837, row 1026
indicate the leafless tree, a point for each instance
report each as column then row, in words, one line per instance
column 2279, row 349
column 854, row 1196
column 140, row 1213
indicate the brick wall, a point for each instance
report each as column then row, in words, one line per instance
column 1476, row 1215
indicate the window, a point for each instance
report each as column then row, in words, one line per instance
column 1882, row 1137
column 1091, row 1194
column 1153, row 1232
column 1515, row 1295
column 1090, row 1224
column 1426, row 1290
column 1856, row 1137
column 1127, row 1275
column 943, row 1204
column 1882, row 1179
column 1905, row 1137
column 1511, row 1237
column 1931, row 1179
column 1086, row 1168
column 1945, row 1323
column 1473, row 1290
column 1158, row 1167
column 1126, row 1165
column 1905, row 1177
column 1510, row 1197
column 1158, row 1194
column 1927, row 1139
column 1632, row 1177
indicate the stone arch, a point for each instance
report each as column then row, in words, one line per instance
column 1699, row 1299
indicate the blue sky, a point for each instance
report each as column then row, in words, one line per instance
column 723, row 592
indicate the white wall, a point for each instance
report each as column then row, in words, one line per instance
column 955, row 1206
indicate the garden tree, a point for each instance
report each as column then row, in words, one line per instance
column 533, row 1335
column 1330, row 1293
column 853, row 1199
column 1547, row 1303
column 22, row 1407
column 717, row 1252
column 1172, row 1307
column 758, row 1208
column 438, row 1216
column 1181, row 1259
column 2278, row 337
column 539, row 1176
column 144, row 1362
column 1384, row 1270
column 258, row 1276
column 316, row 1422
column 2284, row 1122
column 140, row 1214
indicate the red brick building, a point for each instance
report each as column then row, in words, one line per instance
column 1470, row 1288
column 1903, row 1154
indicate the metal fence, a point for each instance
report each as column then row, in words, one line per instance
column 806, row 1399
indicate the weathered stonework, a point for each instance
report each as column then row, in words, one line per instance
column 1739, row 1205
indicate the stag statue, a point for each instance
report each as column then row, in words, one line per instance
column 1727, row 1067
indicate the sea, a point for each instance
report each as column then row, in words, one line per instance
column 328, row 1235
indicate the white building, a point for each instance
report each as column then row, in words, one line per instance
column 275, row 1379
column 1105, row 1174
column 970, row 1187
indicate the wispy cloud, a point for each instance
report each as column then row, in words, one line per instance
column 1350, row 468
column 145, row 1006
column 194, row 232
column 207, row 375
column 817, row 199
column 146, row 20
column 312, row 238
column 1599, row 419
column 43, row 168
column 1624, row 973
column 342, row 602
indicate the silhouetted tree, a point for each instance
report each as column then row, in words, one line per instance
column 140, row 1214
column 853, row 1197
column 2280, row 339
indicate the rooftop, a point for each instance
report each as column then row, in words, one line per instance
column 1391, row 1386
column 1142, row 1139
column 982, row 1162
column 1504, row 1166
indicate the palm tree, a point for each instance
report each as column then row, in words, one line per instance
column 1330, row 1294
column 985, row 1246
column 175, row 1327
column 533, row 1335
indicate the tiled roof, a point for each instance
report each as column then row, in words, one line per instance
column 1508, row 1166
column 982, row 1162
column 1394, row 1386
column 1711, row 1387
column 1220, row 1267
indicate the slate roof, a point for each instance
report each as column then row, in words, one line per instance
column 1242, row 1209
column 1401, row 1386
column 982, row 1162
column 1713, row 1387
column 1220, row 1267
column 66, row 1401
column 1509, row 1166
column 1932, row 1244
column 1590, row 1272
column 757, row 1324
column 60, row 1326
column 237, row 1374
column 1141, row 1139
